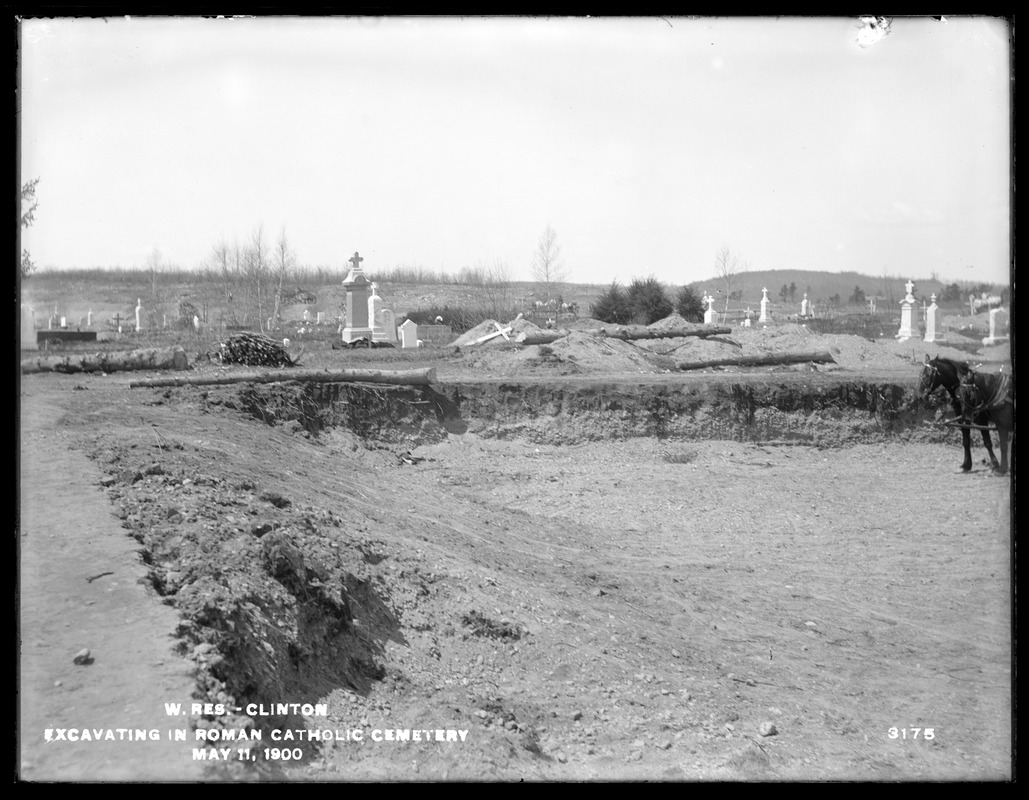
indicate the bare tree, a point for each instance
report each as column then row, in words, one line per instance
column 496, row 287
column 155, row 303
column 255, row 260
column 285, row 262
column 221, row 264
column 546, row 266
column 727, row 267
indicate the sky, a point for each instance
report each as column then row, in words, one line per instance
column 646, row 144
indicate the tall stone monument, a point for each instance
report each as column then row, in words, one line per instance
column 764, row 307
column 908, row 321
column 930, row 321
column 358, row 290
column 805, row 307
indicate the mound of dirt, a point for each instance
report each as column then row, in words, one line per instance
column 671, row 322
column 489, row 326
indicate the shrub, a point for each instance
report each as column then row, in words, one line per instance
column 648, row 301
column 688, row 305
column 612, row 306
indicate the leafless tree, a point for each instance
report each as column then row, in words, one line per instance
column 255, row 261
column 285, row 262
column 496, row 287
column 546, row 265
column 221, row 265
column 155, row 303
column 727, row 268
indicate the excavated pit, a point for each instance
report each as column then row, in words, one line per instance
column 756, row 409
column 275, row 619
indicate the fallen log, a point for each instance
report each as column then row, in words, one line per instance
column 115, row 361
column 760, row 361
column 625, row 333
column 409, row 377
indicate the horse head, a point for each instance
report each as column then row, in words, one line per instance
column 929, row 380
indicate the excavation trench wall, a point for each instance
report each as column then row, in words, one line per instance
column 822, row 413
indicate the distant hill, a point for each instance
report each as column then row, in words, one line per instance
column 822, row 286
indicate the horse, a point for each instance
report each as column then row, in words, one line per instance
column 987, row 398
column 937, row 372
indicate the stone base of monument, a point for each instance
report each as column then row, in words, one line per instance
column 351, row 335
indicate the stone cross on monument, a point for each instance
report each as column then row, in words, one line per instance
column 710, row 315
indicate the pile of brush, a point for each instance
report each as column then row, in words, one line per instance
column 256, row 350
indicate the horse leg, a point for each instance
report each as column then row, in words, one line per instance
column 983, row 420
column 1002, row 443
column 966, row 442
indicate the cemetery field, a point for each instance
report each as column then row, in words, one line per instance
column 570, row 574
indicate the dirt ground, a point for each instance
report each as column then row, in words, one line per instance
column 608, row 608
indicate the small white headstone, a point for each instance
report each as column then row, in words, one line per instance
column 139, row 309
column 409, row 334
column 321, row 317
column 999, row 321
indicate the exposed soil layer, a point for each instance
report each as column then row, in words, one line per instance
column 594, row 579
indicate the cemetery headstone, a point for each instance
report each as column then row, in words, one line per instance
column 908, row 325
column 389, row 325
column 409, row 334
column 357, row 288
column 710, row 315
column 931, row 333
column 139, row 309
column 764, row 306
column 999, row 322
column 375, row 315
column 805, row 308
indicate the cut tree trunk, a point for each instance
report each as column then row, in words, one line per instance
column 760, row 361
column 626, row 333
column 410, row 377
column 151, row 358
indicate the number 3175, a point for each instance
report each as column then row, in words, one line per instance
column 911, row 733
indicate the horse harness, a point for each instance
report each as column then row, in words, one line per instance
column 999, row 395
